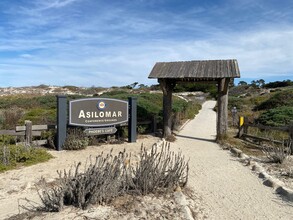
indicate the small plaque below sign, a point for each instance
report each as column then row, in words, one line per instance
column 100, row 131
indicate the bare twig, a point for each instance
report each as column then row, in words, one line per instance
column 277, row 153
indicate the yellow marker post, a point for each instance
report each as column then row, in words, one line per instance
column 241, row 121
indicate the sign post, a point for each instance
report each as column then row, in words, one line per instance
column 132, row 122
column 61, row 121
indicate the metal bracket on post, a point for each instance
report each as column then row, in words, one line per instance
column 61, row 121
column 132, row 121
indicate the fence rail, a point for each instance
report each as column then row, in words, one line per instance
column 28, row 131
column 243, row 131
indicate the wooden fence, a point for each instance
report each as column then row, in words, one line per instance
column 244, row 126
column 28, row 131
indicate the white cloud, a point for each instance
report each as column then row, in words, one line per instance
column 115, row 45
column 26, row 56
column 260, row 54
column 42, row 5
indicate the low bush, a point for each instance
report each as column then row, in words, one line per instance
column 277, row 84
column 158, row 169
column 110, row 176
column 75, row 139
column 277, row 116
column 12, row 156
column 39, row 116
column 193, row 87
column 279, row 99
column 277, row 153
column 236, row 102
column 10, row 117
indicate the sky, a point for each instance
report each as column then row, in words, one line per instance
column 116, row 43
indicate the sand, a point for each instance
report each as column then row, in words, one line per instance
column 15, row 185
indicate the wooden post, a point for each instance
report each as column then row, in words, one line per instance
column 222, row 118
column 241, row 126
column 28, row 133
column 61, row 121
column 167, row 86
column 132, row 121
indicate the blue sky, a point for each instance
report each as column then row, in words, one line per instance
column 116, row 43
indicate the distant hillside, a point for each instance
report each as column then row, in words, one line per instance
column 267, row 106
column 51, row 90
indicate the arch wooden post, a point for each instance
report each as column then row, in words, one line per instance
column 167, row 86
column 222, row 116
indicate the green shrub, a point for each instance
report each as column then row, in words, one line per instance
column 192, row 109
column 40, row 116
column 279, row 99
column 277, row 84
column 239, row 90
column 277, row 116
column 257, row 100
column 116, row 93
column 75, row 140
column 8, row 139
column 47, row 101
column 12, row 156
column 235, row 102
column 192, row 87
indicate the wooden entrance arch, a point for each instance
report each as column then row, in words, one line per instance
column 218, row 71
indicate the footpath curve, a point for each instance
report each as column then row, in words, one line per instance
column 228, row 190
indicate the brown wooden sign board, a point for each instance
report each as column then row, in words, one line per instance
column 97, row 112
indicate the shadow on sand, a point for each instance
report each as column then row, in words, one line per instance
column 196, row 138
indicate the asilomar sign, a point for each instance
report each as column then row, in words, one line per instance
column 97, row 112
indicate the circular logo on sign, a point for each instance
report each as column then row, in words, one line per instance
column 101, row 105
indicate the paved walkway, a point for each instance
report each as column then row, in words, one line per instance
column 228, row 189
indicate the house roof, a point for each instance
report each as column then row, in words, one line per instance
column 196, row 70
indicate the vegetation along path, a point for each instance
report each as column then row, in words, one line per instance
column 228, row 189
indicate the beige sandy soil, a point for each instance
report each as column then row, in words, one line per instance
column 15, row 185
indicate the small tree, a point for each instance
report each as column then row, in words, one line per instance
column 260, row 83
column 242, row 83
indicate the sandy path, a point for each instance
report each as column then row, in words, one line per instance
column 229, row 190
